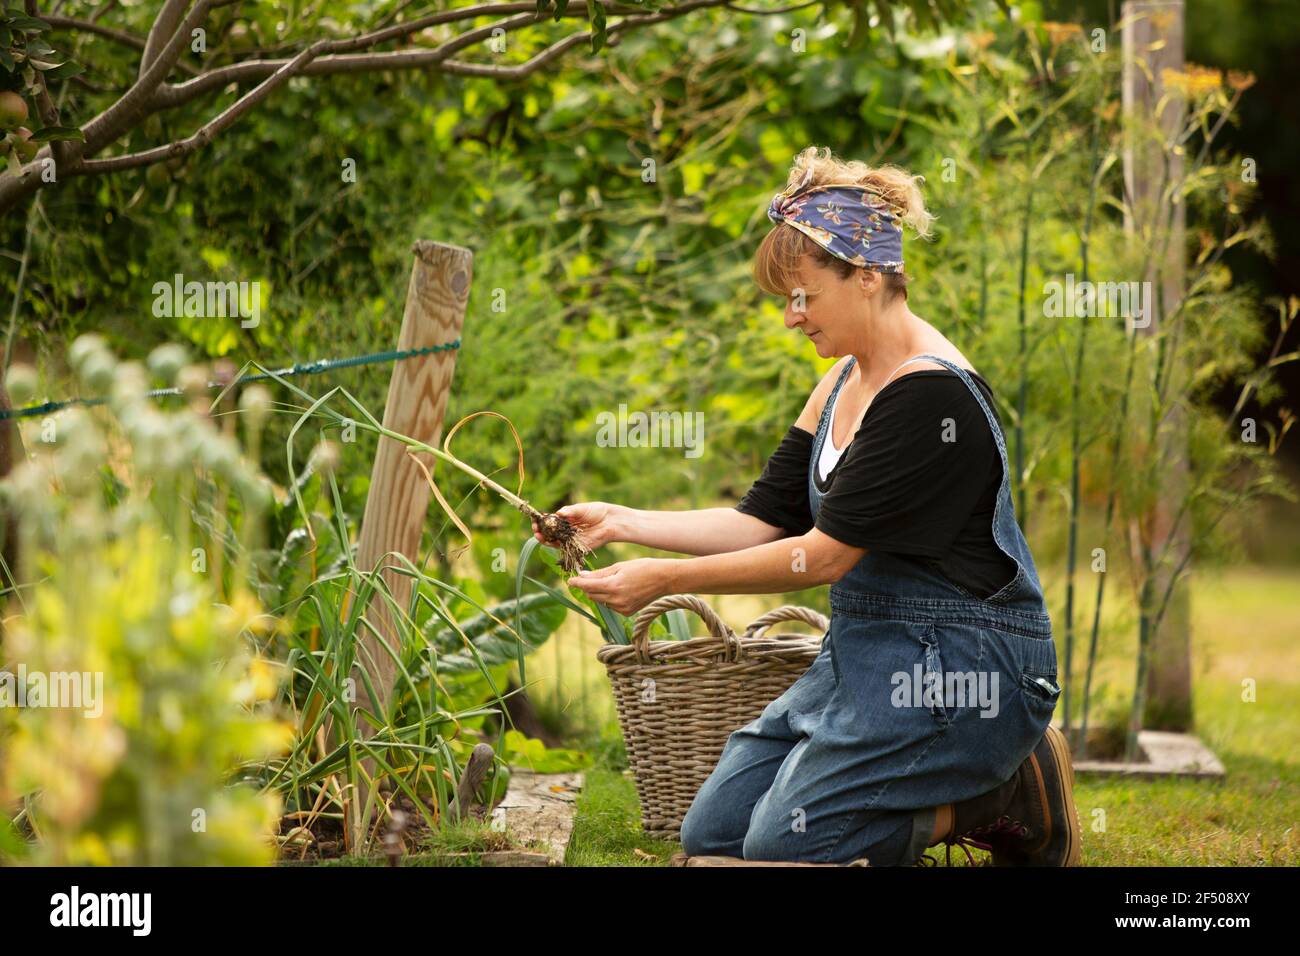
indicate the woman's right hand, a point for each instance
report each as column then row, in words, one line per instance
column 594, row 519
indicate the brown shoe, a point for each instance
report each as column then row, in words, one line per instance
column 1030, row 820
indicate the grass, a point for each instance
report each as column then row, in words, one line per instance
column 1244, row 627
column 607, row 828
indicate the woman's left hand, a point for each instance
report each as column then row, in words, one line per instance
column 627, row 586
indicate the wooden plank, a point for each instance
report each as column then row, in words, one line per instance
column 540, row 807
column 681, row 859
column 1168, row 755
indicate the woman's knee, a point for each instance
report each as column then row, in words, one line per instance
column 711, row 828
column 772, row 836
column 695, row 835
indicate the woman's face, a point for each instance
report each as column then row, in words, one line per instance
column 835, row 311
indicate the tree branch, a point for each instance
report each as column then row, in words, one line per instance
column 520, row 70
column 173, row 95
column 45, row 105
column 205, row 134
column 89, row 26
column 108, row 125
column 162, row 32
column 73, row 25
column 223, row 120
column 177, row 94
column 150, row 93
column 134, row 104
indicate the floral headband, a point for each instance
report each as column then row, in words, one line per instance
column 848, row 220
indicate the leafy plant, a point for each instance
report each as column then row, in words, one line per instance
column 452, row 654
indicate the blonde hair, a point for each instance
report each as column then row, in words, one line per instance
column 776, row 264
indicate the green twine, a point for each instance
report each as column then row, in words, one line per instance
column 306, row 368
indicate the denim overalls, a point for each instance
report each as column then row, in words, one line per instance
column 923, row 694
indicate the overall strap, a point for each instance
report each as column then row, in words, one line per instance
column 914, row 358
column 830, row 399
column 979, row 397
column 844, row 374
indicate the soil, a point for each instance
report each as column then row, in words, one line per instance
column 326, row 840
column 558, row 532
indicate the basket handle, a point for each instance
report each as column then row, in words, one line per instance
column 787, row 612
column 645, row 617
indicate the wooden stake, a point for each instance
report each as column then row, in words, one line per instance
column 417, row 400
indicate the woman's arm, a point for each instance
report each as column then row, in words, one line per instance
column 706, row 531
column 790, row 564
column 736, row 552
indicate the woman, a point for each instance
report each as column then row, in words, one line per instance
column 925, row 718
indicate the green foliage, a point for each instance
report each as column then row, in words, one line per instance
column 140, row 765
column 493, row 642
column 613, row 205
column 526, row 752
column 28, row 63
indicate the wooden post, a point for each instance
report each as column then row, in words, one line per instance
column 417, row 400
column 1153, row 42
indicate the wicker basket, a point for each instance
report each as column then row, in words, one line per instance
column 679, row 701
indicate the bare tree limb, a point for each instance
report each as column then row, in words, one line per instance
column 205, row 134
column 73, row 25
column 222, row 121
column 177, row 94
column 133, row 106
column 90, row 26
column 162, row 32
column 767, row 13
column 520, row 70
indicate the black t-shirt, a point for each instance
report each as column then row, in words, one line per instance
column 920, row 478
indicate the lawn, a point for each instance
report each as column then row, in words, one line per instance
column 1245, row 625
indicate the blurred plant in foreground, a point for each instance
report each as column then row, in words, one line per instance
column 139, row 692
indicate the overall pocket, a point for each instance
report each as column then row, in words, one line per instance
column 1040, row 692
